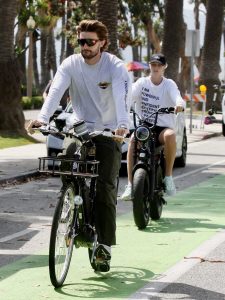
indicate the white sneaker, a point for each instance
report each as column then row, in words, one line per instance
column 126, row 196
column 170, row 188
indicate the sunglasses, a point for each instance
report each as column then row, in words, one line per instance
column 89, row 42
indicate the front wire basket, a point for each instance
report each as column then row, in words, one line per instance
column 68, row 166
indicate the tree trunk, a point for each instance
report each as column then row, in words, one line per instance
column 210, row 67
column 35, row 68
column 51, row 53
column 184, row 75
column 12, row 118
column 107, row 12
column 63, row 41
column 172, row 36
column 45, row 73
column 69, row 47
column 21, row 45
column 151, row 37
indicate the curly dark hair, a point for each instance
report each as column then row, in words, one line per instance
column 95, row 26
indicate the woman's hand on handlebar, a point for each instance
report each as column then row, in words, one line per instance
column 33, row 124
column 179, row 109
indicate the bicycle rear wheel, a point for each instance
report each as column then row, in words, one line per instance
column 62, row 238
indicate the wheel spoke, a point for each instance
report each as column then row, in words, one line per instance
column 61, row 244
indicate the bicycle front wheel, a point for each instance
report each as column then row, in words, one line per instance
column 62, row 238
column 141, row 206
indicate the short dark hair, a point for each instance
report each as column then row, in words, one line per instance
column 95, row 26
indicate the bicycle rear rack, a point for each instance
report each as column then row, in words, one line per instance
column 68, row 166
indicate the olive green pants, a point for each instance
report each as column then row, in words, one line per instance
column 108, row 153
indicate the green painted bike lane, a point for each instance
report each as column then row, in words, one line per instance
column 190, row 218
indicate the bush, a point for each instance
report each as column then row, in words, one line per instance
column 32, row 103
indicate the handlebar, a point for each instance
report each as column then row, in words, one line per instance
column 162, row 110
column 84, row 136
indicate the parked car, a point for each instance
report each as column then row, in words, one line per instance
column 223, row 109
column 55, row 144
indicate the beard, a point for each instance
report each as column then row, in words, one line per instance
column 89, row 54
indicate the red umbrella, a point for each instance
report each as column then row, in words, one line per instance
column 137, row 66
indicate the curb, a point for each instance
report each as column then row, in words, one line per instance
column 20, row 178
column 215, row 134
column 196, row 138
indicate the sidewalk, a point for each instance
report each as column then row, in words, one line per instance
column 20, row 163
column 201, row 131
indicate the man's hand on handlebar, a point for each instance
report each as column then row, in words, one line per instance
column 120, row 133
column 33, row 124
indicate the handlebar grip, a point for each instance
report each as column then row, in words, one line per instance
column 35, row 126
column 166, row 110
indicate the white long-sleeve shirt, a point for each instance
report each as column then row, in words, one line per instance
column 149, row 97
column 100, row 93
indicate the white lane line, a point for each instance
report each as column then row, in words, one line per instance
column 200, row 169
column 21, row 216
column 161, row 282
column 15, row 235
column 16, row 252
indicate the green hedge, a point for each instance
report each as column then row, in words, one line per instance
column 32, row 103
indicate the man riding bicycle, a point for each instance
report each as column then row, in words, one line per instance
column 99, row 87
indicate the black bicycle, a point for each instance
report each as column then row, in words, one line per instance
column 148, row 172
column 73, row 220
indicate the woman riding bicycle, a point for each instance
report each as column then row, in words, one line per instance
column 149, row 94
column 100, row 94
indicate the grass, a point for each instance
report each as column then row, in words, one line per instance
column 15, row 141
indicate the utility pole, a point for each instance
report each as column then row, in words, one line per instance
column 192, row 49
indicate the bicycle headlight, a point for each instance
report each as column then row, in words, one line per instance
column 142, row 133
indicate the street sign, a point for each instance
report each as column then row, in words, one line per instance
column 192, row 43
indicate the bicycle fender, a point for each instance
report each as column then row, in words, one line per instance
column 142, row 166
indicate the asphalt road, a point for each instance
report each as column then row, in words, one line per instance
column 161, row 262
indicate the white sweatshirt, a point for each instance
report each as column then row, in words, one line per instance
column 149, row 97
column 100, row 93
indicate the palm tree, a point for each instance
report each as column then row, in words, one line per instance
column 12, row 118
column 45, row 72
column 143, row 12
column 210, row 67
column 173, row 25
column 107, row 13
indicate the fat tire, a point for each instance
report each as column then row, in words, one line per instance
column 141, row 205
column 58, row 282
column 156, row 205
